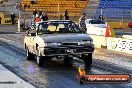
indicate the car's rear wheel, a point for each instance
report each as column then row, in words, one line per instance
column 30, row 56
column 68, row 61
column 87, row 59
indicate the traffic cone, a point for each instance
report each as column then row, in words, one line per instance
column 107, row 33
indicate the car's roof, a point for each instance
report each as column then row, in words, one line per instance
column 92, row 19
column 55, row 20
column 58, row 20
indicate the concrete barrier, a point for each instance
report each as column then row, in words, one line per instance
column 127, row 36
column 99, row 41
column 118, row 24
column 120, row 44
column 111, row 43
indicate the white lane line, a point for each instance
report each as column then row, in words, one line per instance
column 14, row 81
column 11, row 46
column 9, row 40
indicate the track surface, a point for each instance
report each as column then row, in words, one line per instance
column 55, row 75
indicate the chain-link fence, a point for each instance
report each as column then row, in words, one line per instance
column 115, row 14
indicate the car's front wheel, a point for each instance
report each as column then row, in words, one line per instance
column 68, row 61
column 40, row 60
column 30, row 56
column 87, row 59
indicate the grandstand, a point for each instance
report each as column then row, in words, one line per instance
column 55, row 8
column 111, row 9
column 114, row 9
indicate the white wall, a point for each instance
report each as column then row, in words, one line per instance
column 119, row 44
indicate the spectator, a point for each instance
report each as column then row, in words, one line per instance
column 13, row 18
column 61, row 17
column 37, row 19
column 40, row 12
column 66, row 17
column 34, row 13
column 28, row 6
column 0, row 20
column 82, row 24
column 44, row 17
column 32, row 2
column 19, row 6
column 25, row 6
column 75, row 3
column 101, row 17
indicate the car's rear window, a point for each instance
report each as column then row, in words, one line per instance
column 96, row 22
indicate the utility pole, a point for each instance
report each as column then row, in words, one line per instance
column 19, row 14
column 19, row 7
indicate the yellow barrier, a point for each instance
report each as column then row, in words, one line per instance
column 118, row 24
column 6, row 20
column 112, row 32
column 1, row 15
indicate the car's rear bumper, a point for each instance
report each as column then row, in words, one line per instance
column 68, row 50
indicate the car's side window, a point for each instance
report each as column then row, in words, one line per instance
column 32, row 33
column 90, row 22
column 51, row 28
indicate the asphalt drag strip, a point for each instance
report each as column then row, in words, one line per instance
column 52, row 76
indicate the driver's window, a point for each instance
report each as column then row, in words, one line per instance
column 60, row 26
column 90, row 22
column 40, row 27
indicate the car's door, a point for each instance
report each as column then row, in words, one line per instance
column 95, row 28
column 30, row 40
column 90, row 28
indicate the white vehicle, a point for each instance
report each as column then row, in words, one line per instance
column 95, row 26
column 59, row 39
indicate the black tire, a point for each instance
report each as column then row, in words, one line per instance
column 87, row 59
column 40, row 61
column 30, row 56
column 68, row 61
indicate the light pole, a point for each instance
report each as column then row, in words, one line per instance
column 101, row 11
column 19, row 13
column 131, row 15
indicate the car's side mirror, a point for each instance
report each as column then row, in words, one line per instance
column 31, row 33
